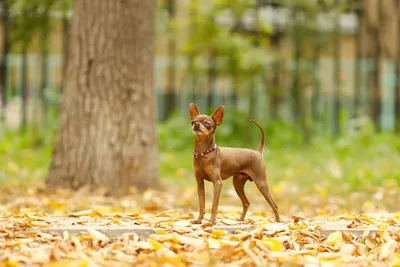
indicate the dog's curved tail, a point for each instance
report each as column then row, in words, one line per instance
column 261, row 148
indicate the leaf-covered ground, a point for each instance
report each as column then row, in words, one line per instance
column 176, row 242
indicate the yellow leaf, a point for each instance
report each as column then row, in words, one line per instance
column 160, row 232
column 334, row 238
column 273, row 244
column 10, row 263
column 57, row 205
column 387, row 250
column 40, row 224
column 167, row 256
column 229, row 242
column 322, row 192
column 321, row 212
column 217, row 234
column 230, row 222
column 97, row 236
column 372, row 221
column 90, row 213
column 213, row 243
column 67, row 263
column 396, row 261
column 116, row 246
column 277, row 189
column 155, row 244
column 370, row 242
column 195, row 242
column 329, row 259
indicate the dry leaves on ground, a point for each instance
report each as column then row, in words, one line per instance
column 175, row 241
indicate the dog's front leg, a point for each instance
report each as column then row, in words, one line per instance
column 202, row 201
column 217, row 192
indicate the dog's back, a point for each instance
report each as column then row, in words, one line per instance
column 239, row 160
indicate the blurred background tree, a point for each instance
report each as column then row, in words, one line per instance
column 107, row 134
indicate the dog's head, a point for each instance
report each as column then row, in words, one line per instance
column 204, row 125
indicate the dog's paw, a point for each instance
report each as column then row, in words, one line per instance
column 196, row 222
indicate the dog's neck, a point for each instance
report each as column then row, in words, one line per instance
column 204, row 143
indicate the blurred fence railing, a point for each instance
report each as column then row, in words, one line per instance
column 184, row 92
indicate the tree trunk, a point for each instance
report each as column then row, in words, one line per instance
column 44, row 70
column 358, row 64
column 235, row 88
column 6, row 48
column 193, row 32
column 336, row 78
column 212, row 78
column 250, row 113
column 24, row 85
column 170, row 97
column 298, row 110
column 107, row 135
column 376, row 94
column 397, row 72
column 275, row 90
column 316, row 82
column 65, row 43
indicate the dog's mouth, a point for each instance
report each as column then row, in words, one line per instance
column 196, row 129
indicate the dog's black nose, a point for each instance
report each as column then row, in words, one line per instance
column 197, row 124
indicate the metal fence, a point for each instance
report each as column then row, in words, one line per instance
column 183, row 92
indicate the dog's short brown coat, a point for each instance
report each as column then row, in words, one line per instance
column 223, row 162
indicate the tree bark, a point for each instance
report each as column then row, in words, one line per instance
column 397, row 72
column 170, row 98
column 376, row 88
column 192, row 56
column 65, row 43
column 44, row 50
column 275, row 90
column 212, row 78
column 316, row 79
column 24, row 85
column 372, row 49
column 358, row 64
column 336, row 77
column 6, row 48
column 297, row 87
column 107, row 136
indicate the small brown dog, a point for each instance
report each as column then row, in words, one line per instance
column 216, row 164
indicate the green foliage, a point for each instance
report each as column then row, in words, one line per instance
column 358, row 161
column 217, row 27
column 25, row 155
column 34, row 17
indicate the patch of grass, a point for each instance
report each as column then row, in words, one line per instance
column 25, row 155
column 359, row 161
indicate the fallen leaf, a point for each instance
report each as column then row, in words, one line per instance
column 97, row 236
column 90, row 213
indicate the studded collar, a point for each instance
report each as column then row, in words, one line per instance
column 198, row 155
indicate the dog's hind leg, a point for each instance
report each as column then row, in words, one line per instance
column 264, row 189
column 239, row 181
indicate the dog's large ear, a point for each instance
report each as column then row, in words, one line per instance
column 194, row 111
column 218, row 115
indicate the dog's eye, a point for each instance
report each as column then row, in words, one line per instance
column 207, row 123
column 193, row 122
